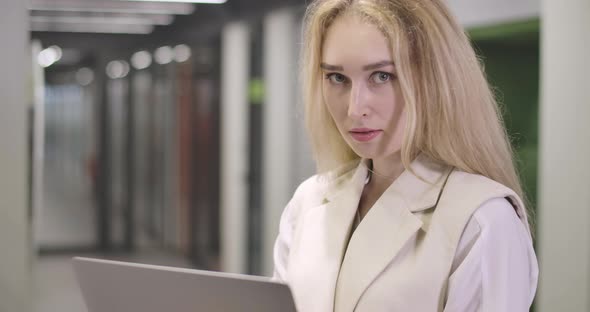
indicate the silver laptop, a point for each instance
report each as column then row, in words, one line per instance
column 112, row 286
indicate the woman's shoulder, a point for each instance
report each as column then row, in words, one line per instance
column 311, row 186
column 309, row 192
column 482, row 198
column 476, row 186
column 473, row 181
column 318, row 185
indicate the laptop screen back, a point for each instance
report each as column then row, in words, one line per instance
column 112, row 286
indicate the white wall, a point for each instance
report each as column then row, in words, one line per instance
column 564, row 181
column 474, row 13
column 15, row 229
column 302, row 160
column 235, row 75
column 38, row 80
column 280, row 75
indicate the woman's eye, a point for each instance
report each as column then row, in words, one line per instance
column 336, row 78
column 381, row 77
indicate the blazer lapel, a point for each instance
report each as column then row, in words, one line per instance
column 321, row 241
column 386, row 229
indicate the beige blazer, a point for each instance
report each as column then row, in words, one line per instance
column 400, row 256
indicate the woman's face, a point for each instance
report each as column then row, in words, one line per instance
column 360, row 87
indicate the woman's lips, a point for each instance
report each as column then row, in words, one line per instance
column 364, row 135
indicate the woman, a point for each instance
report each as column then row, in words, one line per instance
column 417, row 204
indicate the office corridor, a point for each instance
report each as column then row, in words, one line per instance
column 56, row 288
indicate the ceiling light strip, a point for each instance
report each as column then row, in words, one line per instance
column 130, row 20
column 107, row 6
column 92, row 28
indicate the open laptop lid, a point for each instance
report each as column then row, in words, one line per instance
column 113, row 286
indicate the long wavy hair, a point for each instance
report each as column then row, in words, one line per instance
column 452, row 114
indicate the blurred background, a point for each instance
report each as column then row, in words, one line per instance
column 171, row 133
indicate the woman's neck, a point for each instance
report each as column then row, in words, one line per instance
column 385, row 170
column 382, row 173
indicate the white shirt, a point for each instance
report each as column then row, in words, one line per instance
column 494, row 269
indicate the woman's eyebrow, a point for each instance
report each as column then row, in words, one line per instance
column 377, row 65
column 331, row 67
column 372, row 66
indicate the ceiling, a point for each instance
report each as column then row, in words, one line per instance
column 133, row 16
column 126, row 24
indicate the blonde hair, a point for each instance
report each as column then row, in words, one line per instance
column 452, row 115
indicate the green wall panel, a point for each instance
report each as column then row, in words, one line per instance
column 510, row 55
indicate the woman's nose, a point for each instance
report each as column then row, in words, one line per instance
column 358, row 103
